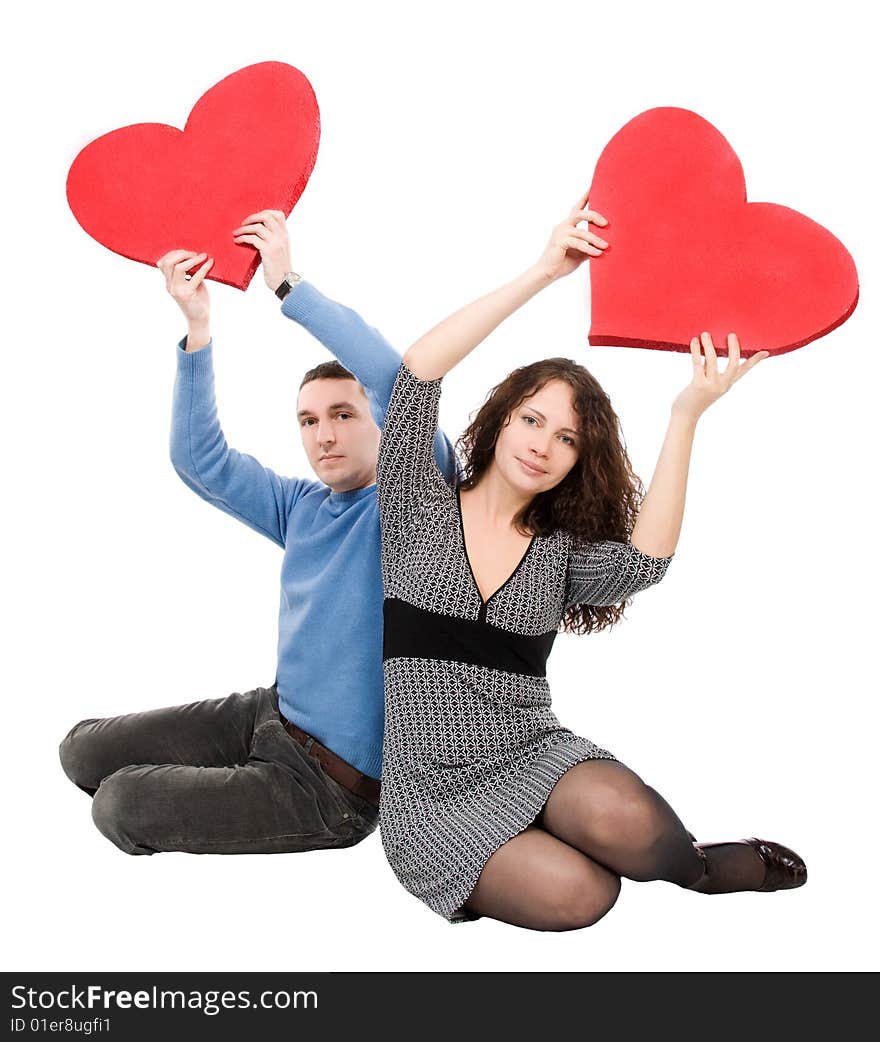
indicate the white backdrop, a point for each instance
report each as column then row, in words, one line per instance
column 453, row 138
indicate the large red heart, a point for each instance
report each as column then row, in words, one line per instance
column 249, row 144
column 687, row 253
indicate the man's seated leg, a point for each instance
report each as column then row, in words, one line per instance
column 279, row 801
column 212, row 733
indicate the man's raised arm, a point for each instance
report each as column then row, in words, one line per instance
column 361, row 348
column 232, row 481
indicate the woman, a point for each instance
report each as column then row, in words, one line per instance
column 489, row 806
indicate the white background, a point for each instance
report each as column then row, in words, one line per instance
column 453, row 138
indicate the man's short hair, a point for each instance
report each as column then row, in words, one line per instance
column 327, row 371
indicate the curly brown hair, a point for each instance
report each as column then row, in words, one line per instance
column 600, row 496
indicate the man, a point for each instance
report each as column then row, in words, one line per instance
column 295, row 766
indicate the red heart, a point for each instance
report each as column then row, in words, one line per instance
column 250, row 144
column 687, row 253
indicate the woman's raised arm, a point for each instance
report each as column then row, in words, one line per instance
column 443, row 347
column 658, row 525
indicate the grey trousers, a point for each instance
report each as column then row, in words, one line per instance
column 215, row 777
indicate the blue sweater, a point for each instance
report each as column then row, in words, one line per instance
column 329, row 673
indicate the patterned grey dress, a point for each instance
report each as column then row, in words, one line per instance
column 472, row 748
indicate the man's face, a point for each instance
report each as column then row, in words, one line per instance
column 338, row 433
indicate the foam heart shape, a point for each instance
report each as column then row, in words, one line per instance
column 249, row 144
column 688, row 253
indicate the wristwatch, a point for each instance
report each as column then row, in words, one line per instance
column 287, row 284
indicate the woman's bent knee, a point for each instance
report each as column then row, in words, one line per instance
column 578, row 906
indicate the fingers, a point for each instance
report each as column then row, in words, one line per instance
column 570, row 238
column 181, row 268
column 587, row 237
column 265, row 230
column 571, row 242
column 196, row 280
column 732, row 370
column 264, row 225
column 696, row 357
column 735, row 367
column 593, row 216
column 177, row 264
column 166, row 263
column 580, row 239
column 711, row 356
column 189, row 261
column 266, row 216
column 750, row 363
column 260, row 231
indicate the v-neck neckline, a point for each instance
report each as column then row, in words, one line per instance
column 484, row 603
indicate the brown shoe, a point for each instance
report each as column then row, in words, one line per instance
column 783, row 869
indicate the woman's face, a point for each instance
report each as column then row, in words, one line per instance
column 541, row 440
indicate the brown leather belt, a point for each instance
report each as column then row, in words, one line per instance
column 339, row 770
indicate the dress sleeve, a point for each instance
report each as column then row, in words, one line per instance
column 407, row 472
column 609, row 572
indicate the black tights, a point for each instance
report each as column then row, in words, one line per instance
column 601, row 822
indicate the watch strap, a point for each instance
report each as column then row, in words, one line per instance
column 287, row 283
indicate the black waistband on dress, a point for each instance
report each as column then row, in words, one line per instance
column 412, row 632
